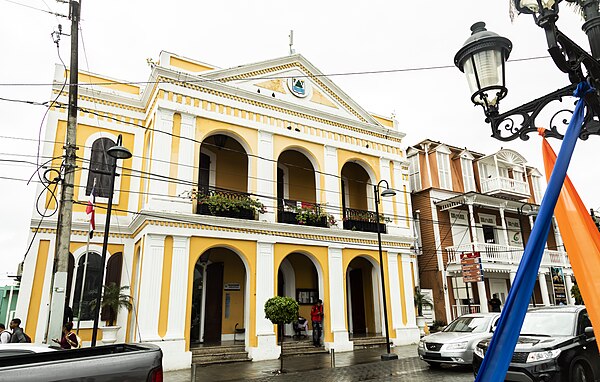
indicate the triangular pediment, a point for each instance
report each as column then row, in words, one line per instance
column 295, row 80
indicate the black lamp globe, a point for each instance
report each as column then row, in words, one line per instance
column 482, row 58
column 535, row 6
column 118, row 151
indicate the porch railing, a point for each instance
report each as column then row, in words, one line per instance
column 302, row 213
column 499, row 183
column 459, row 310
column 227, row 203
column 504, row 254
column 361, row 220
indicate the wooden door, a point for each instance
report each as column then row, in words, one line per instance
column 358, row 302
column 214, row 303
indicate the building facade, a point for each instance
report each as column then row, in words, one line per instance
column 466, row 202
column 9, row 295
column 245, row 183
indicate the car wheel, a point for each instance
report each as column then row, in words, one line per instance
column 435, row 365
column 579, row 373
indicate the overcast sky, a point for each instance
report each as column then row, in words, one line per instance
column 336, row 36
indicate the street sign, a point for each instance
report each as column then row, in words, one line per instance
column 471, row 267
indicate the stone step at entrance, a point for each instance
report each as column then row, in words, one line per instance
column 208, row 355
column 291, row 348
column 368, row 342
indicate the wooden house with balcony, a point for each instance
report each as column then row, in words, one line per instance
column 466, row 202
column 245, row 183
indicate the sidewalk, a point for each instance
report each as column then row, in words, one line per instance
column 364, row 364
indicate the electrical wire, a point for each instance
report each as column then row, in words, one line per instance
column 37, row 9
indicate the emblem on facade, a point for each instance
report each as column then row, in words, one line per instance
column 298, row 86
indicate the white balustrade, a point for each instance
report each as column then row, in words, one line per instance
column 504, row 184
column 497, row 253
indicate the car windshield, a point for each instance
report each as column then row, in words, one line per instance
column 476, row 324
column 549, row 323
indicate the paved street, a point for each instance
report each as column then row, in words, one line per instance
column 360, row 365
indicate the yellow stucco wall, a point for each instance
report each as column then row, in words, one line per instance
column 36, row 289
column 188, row 65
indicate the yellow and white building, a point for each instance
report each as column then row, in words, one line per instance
column 277, row 132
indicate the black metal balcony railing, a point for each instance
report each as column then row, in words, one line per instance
column 298, row 212
column 361, row 220
column 227, row 203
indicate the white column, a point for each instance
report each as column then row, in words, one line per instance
column 483, row 300
column 472, row 225
column 159, row 164
column 333, row 184
column 267, row 347
column 150, row 287
column 559, row 241
column 401, row 199
column 512, row 276
column 185, row 159
column 178, row 289
column 504, row 230
column 266, row 173
column 387, row 204
column 544, row 289
column 405, row 333
column 569, row 285
column 341, row 342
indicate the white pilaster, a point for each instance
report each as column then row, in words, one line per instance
column 161, row 156
column 267, row 347
column 185, row 159
column 179, row 289
column 150, row 287
column 405, row 333
column 341, row 341
column 569, row 285
column 333, row 184
column 483, row 300
column 512, row 276
column 544, row 289
column 401, row 199
column 266, row 183
column 387, row 204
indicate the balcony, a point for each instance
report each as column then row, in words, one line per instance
column 502, row 254
column 505, row 187
column 459, row 310
column 361, row 220
column 228, row 204
column 302, row 213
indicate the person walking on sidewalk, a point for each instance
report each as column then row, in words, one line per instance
column 4, row 334
column 316, row 315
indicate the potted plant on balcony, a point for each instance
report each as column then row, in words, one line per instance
column 113, row 299
column 232, row 205
column 314, row 215
column 421, row 300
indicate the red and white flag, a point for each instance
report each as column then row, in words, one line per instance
column 89, row 209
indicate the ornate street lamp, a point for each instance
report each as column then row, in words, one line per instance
column 117, row 152
column 387, row 192
column 483, row 56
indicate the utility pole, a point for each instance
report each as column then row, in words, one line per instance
column 65, row 208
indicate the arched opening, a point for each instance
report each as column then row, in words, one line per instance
column 113, row 276
column 362, row 294
column 297, row 191
column 299, row 278
column 223, row 179
column 358, row 200
column 100, row 167
column 219, row 297
column 84, row 295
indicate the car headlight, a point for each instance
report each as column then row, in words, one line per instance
column 542, row 355
column 479, row 351
column 421, row 344
column 457, row 346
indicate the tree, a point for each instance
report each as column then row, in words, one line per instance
column 113, row 299
column 280, row 311
column 576, row 295
column 421, row 300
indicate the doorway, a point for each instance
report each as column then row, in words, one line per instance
column 362, row 297
column 214, row 306
column 357, row 297
column 499, row 286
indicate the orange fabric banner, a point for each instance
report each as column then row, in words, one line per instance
column 581, row 239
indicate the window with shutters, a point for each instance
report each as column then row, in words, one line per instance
column 443, row 162
column 537, row 189
column 414, row 174
column 468, row 175
column 100, row 167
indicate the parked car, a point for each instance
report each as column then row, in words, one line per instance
column 121, row 362
column 556, row 344
column 455, row 343
column 8, row 350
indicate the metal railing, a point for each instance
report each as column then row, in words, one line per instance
column 302, row 213
column 362, row 220
column 227, row 203
column 459, row 310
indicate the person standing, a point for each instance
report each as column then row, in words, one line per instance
column 69, row 339
column 4, row 335
column 316, row 315
column 495, row 303
column 17, row 333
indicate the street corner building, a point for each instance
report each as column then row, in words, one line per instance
column 482, row 207
column 245, row 183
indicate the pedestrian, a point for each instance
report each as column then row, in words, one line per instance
column 495, row 303
column 18, row 336
column 316, row 315
column 69, row 340
column 4, row 335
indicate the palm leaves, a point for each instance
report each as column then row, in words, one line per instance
column 113, row 299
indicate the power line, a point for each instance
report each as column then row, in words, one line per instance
column 37, row 9
column 209, row 80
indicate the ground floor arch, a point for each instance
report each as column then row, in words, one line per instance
column 220, row 297
column 363, row 297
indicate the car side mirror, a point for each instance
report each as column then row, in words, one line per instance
column 589, row 332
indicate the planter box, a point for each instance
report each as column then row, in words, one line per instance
column 247, row 214
column 364, row 226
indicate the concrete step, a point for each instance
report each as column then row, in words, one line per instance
column 217, row 349
column 292, row 348
column 368, row 342
column 207, row 359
